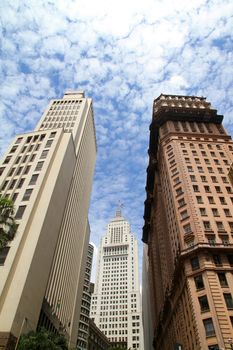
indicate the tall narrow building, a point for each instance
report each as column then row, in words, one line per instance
column 189, row 226
column 48, row 174
column 116, row 304
column 83, row 328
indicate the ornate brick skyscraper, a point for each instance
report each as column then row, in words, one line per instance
column 189, row 226
column 48, row 174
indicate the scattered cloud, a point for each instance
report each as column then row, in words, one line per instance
column 123, row 54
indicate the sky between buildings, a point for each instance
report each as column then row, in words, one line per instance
column 123, row 54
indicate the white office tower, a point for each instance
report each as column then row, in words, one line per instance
column 48, row 174
column 116, row 301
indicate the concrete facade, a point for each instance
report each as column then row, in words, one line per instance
column 116, row 301
column 48, row 174
column 189, row 226
column 83, row 331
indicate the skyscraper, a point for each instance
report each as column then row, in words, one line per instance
column 83, row 331
column 48, row 174
column 189, row 225
column 116, row 304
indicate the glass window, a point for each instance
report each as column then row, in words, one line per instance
column 203, row 301
column 7, row 160
column 194, row 263
column 27, row 194
column 33, row 179
column 39, row 166
column 20, row 183
column 222, row 279
column 228, row 300
column 217, row 259
column 44, row 154
column 199, row 282
column 20, row 212
column 3, row 254
column 209, row 327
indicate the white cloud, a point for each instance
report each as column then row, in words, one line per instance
column 124, row 54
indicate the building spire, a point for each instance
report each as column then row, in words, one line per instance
column 118, row 209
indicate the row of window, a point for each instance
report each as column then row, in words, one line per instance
column 217, row 259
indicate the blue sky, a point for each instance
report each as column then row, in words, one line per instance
column 123, row 54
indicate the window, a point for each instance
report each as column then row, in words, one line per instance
column 222, row 200
column 211, row 200
column 199, row 200
column 214, row 179
column 194, row 263
column 14, row 148
column 220, row 226
column 26, row 170
column 179, row 191
column 7, row 160
column 225, row 240
column 209, row 327
column 195, row 188
column 203, row 211
column 207, row 189
column 20, row 212
column 200, row 169
column 230, row 259
column 203, row 301
column 213, row 347
column 215, row 212
column 20, row 183
column 193, row 178
column 207, row 225
column 33, row 179
column 187, row 229
column 199, row 282
column 222, row 279
column 217, row 259
column 203, row 178
column 181, row 202
column 39, row 166
column 48, row 143
column 19, row 139
column 231, row 226
column 218, row 189
column 228, row 300
column 229, row 190
column 13, row 182
column 190, row 169
column 44, row 154
column 184, row 214
column 3, row 254
column 211, row 239
column 224, row 179
column 210, row 170
column 15, row 195
column 27, row 194
column 53, row 134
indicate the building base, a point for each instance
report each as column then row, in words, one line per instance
column 7, row 341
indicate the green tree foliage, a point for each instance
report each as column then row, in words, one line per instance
column 7, row 223
column 42, row 340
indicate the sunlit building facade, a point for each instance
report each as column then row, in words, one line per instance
column 116, row 304
column 48, row 174
column 189, row 226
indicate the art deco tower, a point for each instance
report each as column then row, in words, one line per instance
column 189, row 225
column 115, row 304
column 48, row 173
